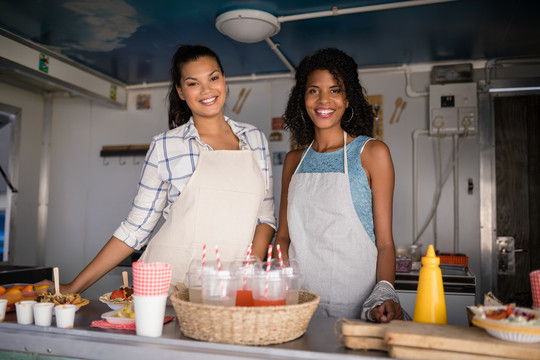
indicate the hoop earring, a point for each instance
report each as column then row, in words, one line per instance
column 302, row 113
column 302, row 116
column 348, row 121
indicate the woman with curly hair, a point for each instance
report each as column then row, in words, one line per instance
column 208, row 176
column 336, row 203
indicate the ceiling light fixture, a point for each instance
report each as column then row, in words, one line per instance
column 247, row 25
column 250, row 26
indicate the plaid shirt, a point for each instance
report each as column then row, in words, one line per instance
column 169, row 164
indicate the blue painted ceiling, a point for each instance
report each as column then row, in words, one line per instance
column 133, row 40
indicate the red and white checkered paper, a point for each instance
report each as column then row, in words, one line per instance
column 130, row 326
column 535, row 287
column 151, row 279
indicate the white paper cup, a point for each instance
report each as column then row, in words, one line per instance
column 3, row 306
column 43, row 314
column 149, row 314
column 25, row 314
column 65, row 315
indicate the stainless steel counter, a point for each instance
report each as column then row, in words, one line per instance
column 86, row 342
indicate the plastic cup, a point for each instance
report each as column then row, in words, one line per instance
column 43, row 313
column 269, row 289
column 65, row 315
column 219, row 289
column 149, row 314
column 25, row 314
column 3, row 307
column 294, row 284
column 243, row 271
column 535, row 288
column 194, row 281
column 290, row 269
column 195, row 274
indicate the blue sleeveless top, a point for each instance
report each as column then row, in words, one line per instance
column 315, row 162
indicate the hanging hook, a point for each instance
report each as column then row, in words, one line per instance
column 136, row 161
column 105, row 161
column 121, row 161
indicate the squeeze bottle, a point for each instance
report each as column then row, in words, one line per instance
column 430, row 304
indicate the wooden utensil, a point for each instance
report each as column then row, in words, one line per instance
column 376, row 107
column 56, row 281
column 243, row 101
column 125, row 278
column 238, row 100
column 400, row 111
column 399, row 100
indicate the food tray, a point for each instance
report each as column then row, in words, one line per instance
column 515, row 332
column 244, row 325
column 111, row 318
column 117, row 304
column 27, row 295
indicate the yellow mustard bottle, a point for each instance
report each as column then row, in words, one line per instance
column 430, row 304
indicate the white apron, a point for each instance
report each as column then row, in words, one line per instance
column 219, row 205
column 334, row 251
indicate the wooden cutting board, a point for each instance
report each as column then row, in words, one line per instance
column 411, row 340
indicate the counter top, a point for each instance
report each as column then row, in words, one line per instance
column 84, row 341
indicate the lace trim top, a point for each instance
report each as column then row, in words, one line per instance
column 315, row 162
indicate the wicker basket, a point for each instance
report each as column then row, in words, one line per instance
column 244, row 325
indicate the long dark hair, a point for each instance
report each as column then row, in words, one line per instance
column 345, row 71
column 179, row 111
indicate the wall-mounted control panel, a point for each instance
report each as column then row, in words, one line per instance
column 453, row 109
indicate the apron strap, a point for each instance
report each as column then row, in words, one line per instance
column 303, row 156
column 345, row 165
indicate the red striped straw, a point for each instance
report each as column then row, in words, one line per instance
column 218, row 259
column 223, row 292
column 248, row 256
column 248, row 259
column 280, row 257
column 269, row 258
column 268, row 263
column 204, row 255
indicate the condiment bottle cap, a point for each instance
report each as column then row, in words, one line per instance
column 430, row 258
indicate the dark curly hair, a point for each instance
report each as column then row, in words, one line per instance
column 179, row 111
column 345, row 71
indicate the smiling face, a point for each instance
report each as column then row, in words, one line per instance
column 202, row 86
column 325, row 99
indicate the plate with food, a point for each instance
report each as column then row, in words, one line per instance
column 508, row 322
column 61, row 299
column 118, row 298
column 123, row 316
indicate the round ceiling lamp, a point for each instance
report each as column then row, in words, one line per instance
column 248, row 26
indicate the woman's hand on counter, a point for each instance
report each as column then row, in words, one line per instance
column 387, row 311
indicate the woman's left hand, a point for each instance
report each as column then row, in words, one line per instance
column 387, row 311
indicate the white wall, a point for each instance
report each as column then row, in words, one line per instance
column 31, row 105
column 89, row 196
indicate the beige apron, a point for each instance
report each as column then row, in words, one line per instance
column 219, row 205
column 334, row 251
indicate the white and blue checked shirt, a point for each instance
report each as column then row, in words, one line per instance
column 169, row 164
